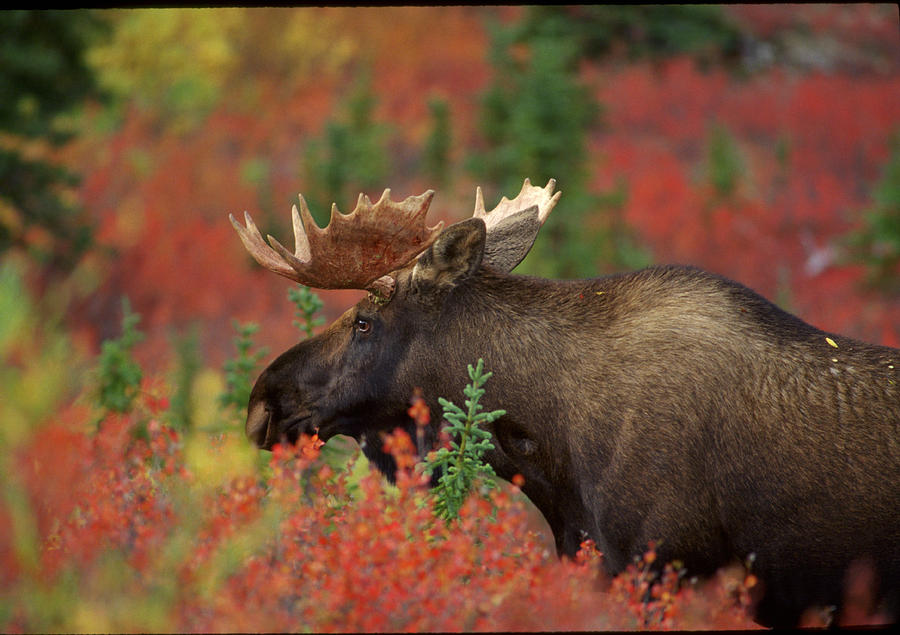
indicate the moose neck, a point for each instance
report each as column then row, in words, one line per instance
column 508, row 320
column 512, row 322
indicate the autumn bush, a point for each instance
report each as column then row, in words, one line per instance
column 124, row 536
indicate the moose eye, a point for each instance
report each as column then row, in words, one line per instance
column 362, row 325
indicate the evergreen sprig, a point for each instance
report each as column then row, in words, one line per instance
column 307, row 304
column 239, row 371
column 462, row 464
column 119, row 375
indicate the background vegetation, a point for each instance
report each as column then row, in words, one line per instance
column 757, row 141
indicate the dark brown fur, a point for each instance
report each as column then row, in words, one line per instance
column 666, row 405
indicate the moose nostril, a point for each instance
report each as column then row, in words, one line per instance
column 257, row 424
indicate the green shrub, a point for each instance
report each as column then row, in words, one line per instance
column 350, row 157
column 119, row 375
column 307, row 304
column 462, row 464
column 240, row 370
column 877, row 243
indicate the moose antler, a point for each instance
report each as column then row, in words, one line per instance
column 513, row 225
column 355, row 250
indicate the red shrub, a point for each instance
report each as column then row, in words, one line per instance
column 305, row 547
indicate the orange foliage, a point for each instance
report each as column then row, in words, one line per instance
column 332, row 557
column 778, row 233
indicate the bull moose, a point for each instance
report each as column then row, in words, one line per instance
column 667, row 404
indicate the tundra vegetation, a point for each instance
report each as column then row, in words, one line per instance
column 757, row 147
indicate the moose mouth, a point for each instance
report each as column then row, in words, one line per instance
column 264, row 431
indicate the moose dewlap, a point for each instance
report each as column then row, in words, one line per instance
column 667, row 404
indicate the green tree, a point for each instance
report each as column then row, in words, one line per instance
column 724, row 162
column 43, row 77
column 462, row 464
column 187, row 367
column 239, row 371
column 638, row 31
column 119, row 374
column 350, row 158
column 535, row 121
column 877, row 244
column 437, row 146
column 307, row 304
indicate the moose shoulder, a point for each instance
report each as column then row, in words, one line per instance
column 667, row 404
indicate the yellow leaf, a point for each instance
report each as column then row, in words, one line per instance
column 216, row 462
column 204, row 392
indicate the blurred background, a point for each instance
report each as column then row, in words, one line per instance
column 761, row 142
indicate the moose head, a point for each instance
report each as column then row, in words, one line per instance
column 357, row 377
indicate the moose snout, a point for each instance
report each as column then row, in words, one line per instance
column 275, row 421
column 265, row 430
column 257, row 426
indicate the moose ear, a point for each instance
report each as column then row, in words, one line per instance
column 453, row 257
column 510, row 240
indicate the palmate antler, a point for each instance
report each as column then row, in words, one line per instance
column 354, row 250
column 357, row 250
column 513, row 225
column 529, row 196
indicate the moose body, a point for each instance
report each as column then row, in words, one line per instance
column 667, row 405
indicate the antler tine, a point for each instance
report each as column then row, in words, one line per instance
column 300, row 221
column 386, row 196
column 479, row 202
column 257, row 247
column 548, row 207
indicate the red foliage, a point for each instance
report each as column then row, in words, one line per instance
column 383, row 563
column 346, row 555
column 308, row 547
column 334, row 555
column 780, row 232
column 95, row 493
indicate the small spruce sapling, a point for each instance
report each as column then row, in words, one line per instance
column 119, row 375
column 239, row 371
column 308, row 304
column 462, row 464
column 188, row 366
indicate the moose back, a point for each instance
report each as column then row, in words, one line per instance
column 668, row 404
